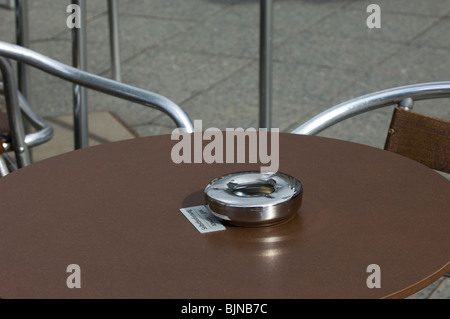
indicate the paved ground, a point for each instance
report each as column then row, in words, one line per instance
column 203, row 54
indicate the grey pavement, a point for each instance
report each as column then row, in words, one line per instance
column 203, row 55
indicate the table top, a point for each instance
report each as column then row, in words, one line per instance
column 114, row 210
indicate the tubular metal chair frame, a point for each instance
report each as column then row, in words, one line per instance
column 74, row 75
column 403, row 96
column 44, row 131
column 78, row 59
column 14, row 113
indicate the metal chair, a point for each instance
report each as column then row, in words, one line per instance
column 20, row 142
column 419, row 137
column 78, row 59
column 42, row 133
column 13, row 137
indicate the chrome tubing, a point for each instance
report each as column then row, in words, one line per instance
column 22, row 30
column 79, row 93
column 265, row 63
column 3, row 167
column 372, row 101
column 7, row 164
column 15, row 120
column 44, row 131
column 113, row 18
column 98, row 83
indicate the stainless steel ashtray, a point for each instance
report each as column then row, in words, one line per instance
column 254, row 199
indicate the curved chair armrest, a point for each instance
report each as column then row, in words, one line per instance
column 372, row 101
column 98, row 83
column 44, row 131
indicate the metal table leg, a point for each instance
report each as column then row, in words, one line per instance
column 265, row 63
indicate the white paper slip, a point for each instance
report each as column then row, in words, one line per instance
column 202, row 219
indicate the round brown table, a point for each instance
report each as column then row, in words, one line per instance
column 113, row 210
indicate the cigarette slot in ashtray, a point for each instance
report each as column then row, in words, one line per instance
column 254, row 199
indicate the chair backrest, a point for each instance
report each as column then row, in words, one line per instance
column 419, row 137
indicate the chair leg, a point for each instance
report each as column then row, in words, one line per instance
column 80, row 112
column 113, row 18
column 7, row 164
column 21, row 10
column 265, row 63
column 3, row 167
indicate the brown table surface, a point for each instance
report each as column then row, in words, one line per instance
column 113, row 209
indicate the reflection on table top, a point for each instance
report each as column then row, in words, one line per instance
column 113, row 210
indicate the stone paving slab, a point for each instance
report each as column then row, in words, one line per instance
column 104, row 128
